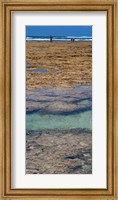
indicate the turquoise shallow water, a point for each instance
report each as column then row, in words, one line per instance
column 37, row 121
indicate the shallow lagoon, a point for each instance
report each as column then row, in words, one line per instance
column 51, row 122
column 51, row 109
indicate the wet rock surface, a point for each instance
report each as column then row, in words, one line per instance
column 59, row 152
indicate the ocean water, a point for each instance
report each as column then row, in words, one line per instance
column 55, row 38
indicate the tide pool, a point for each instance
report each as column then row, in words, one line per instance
column 35, row 121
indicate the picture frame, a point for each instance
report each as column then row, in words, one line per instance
column 7, row 7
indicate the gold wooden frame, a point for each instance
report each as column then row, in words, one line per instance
column 6, row 7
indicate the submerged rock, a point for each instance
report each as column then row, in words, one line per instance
column 59, row 152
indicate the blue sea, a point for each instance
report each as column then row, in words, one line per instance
column 57, row 38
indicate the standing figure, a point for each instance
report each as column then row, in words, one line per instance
column 72, row 39
column 50, row 38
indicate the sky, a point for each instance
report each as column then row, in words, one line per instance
column 59, row 30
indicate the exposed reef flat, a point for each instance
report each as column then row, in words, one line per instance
column 59, row 152
column 58, row 64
